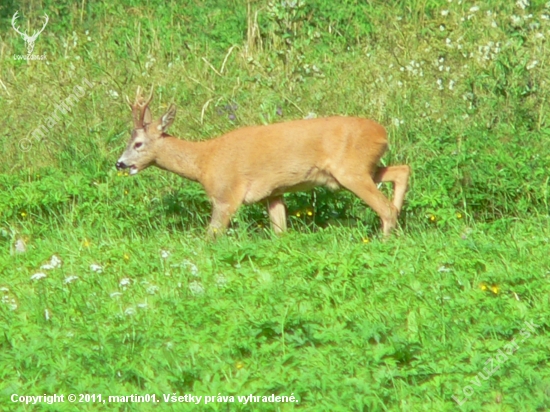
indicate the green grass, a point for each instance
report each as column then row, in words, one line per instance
column 328, row 312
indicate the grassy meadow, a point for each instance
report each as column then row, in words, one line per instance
column 109, row 287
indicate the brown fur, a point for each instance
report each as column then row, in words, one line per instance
column 258, row 163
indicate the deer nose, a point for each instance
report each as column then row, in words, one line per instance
column 120, row 165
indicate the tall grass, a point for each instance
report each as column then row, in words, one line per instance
column 461, row 88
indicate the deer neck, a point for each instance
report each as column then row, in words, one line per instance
column 180, row 157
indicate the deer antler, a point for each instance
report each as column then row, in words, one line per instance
column 140, row 109
column 146, row 113
column 15, row 16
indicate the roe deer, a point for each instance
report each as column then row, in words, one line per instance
column 264, row 162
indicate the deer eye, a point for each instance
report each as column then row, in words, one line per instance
column 138, row 145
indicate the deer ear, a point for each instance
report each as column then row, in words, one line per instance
column 168, row 118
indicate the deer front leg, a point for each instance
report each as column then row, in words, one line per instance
column 222, row 211
column 277, row 214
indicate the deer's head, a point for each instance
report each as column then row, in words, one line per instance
column 142, row 149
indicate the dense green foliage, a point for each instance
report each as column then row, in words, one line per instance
column 328, row 311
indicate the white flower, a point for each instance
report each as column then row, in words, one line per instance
column 440, row 84
column 142, row 305
column 451, row 84
column 70, row 279
column 125, row 282
column 152, row 289
column 474, row 9
column 113, row 94
column 130, row 311
column 54, row 263
column 196, row 288
column 38, row 276
column 221, row 281
column 522, row 4
column 397, row 122
column 6, row 299
column 532, row 65
column 47, row 315
column 164, row 254
column 444, row 12
column 192, row 268
column 516, row 20
column 96, row 268
column 20, row 246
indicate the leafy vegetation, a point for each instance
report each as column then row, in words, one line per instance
column 136, row 300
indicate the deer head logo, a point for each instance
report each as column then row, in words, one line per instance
column 30, row 40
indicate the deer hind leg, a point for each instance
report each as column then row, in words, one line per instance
column 365, row 188
column 277, row 214
column 399, row 176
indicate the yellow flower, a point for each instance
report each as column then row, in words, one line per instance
column 126, row 256
column 23, row 214
column 495, row 289
column 432, row 218
column 119, row 173
column 298, row 214
column 366, row 240
column 309, row 212
column 459, row 215
column 483, row 286
column 125, row 192
column 239, row 365
column 126, row 174
column 86, row 243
